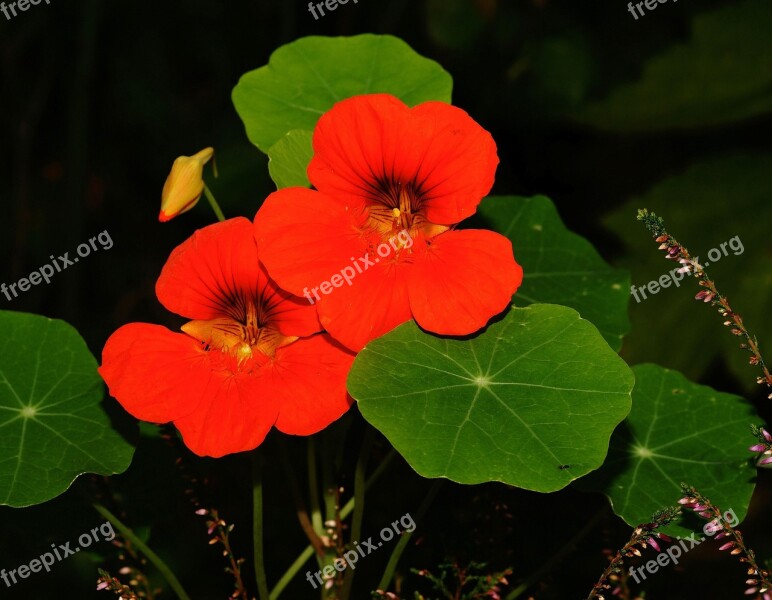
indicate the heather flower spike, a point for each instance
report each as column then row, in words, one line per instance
column 643, row 535
column 675, row 251
column 759, row 581
column 184, row 185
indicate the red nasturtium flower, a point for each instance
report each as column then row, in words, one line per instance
column 250, row 358
column 386, row 174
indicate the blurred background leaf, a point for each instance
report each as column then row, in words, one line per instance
column 721, row 75
column 707, row 205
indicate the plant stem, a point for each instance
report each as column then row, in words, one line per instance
column 349, row 506
column 213, row 203
column 345, row 512
column 291, row 572
column 391, row 566
column 300, row 508
column 332, row 520
column 313, row 489
column 159, row 564
column 257, row 525
column 359, row 504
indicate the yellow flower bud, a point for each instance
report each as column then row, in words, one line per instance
column 185, row 184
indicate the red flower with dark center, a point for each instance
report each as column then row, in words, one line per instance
column 249, row 359
column 376, row 244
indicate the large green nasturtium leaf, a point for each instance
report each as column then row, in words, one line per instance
column 305, row 78
column 531, row 401
column 720, row 75
column 677, row 431
column 289, row 158
column 52, row 426
column 719, row 209
column 559, row 266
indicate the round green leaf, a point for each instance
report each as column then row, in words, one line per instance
column 559, row 266
column 303, row 80
column 531, row 401
column 721, row 75
column 289, row 158
column 677, row 431
column 53, row 426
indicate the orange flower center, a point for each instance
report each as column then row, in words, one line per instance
column 240, row 335
column 398, row 207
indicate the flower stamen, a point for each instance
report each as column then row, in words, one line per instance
column 239, row 338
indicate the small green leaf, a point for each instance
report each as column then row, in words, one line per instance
column 677, row 431
column 303, row 80
column 289, row 159
column 559, row 266
column 531, row 401
column 53, row 426
column 721, row 75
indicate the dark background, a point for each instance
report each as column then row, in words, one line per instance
column 98, row 98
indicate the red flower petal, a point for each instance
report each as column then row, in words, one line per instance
column 209, row 274
column 309, row 380
column 459, row 166
column 306, row 237
column 462, row 280
column 155, row 374
column 366, row 142
column 235, row 415
column 374, row 304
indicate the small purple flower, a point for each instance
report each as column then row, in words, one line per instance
column 726, row 546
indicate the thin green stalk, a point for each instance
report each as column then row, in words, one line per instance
column 345, row 512
column 349, row 506
column 331, row 498
column 300, row 508
column 159, row 564
column 313, row 488
column 291, row 572
column 213, row 203
column 257, row 526
column 359, row 503
column 328, row 482
column 388, row 574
